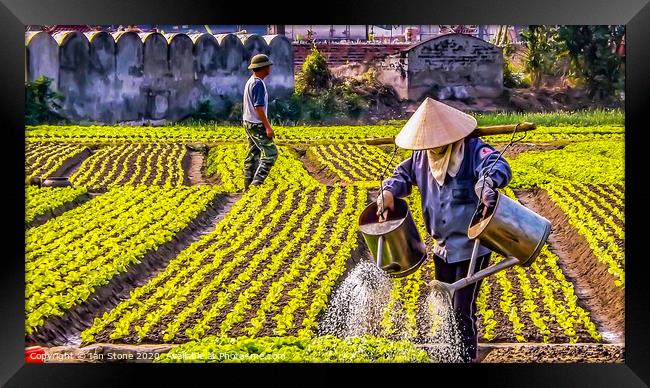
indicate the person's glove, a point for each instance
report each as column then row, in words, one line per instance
column 484, row 189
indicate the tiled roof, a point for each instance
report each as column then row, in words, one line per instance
column 62, row 27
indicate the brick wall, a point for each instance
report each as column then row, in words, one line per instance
column 339, row 54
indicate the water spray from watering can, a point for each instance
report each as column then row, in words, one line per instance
column 509, row 229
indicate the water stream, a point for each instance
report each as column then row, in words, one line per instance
column 359, row 303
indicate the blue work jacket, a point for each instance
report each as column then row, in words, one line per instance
column 448, row 209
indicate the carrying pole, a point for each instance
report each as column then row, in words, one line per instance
column 478, row 132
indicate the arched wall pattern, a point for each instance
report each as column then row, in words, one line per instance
column 281, row 54
column 125, row 76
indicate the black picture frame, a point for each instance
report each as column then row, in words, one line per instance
column 15, row 14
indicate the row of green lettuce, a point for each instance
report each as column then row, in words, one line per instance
column 593, row 162
column 294, row 134
column 323, row 349
column 44, row 200
column 588, row 117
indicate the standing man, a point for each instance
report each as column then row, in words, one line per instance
column 453, row 172
column 262, row 152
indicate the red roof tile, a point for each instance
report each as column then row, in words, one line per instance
column 61, row 27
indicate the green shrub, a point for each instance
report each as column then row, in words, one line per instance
column 314, row 75
column 538, row 59
column 206, row 113
column 353, row 103
column 203, row 113
column 41, row 102
column 512, row 78
column 286, row 110
column 322, row 106
column 338, row 102
column 233, row 112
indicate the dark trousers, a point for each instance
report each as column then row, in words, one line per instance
column 464, row 299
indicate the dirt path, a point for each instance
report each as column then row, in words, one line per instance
column 553, row 353
column 494, row 353
column 517, row 148
column 595, row 287
column 317, row 171
column 194, row 172
column 71, row 165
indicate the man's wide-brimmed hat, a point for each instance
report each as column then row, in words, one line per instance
column 259, row 61
column 434, row 124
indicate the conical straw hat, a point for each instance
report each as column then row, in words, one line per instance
column 434, row 124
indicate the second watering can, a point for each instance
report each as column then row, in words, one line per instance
column 509, row 229
column 395, row 243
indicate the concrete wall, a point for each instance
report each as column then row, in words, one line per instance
column 280, row 81
column 208, row 69
column 181, row 87
column 126, row 76
column 454, row 65
column 74, row 68
column 234, row 65
column 42, row 56
column 392, row 71
column 129, row 77
column 102, row 97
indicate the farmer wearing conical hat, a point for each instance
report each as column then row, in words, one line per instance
column 453, row 173
column 262, row 152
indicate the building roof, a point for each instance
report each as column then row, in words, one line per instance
column 52, row 29
column 64, row 27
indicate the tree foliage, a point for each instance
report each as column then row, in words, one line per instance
column 592, row 51
column 542, row 47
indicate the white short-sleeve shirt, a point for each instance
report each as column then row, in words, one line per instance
column 253, row 97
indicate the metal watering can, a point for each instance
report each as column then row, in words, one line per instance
column 509, row 229
column 395, row 242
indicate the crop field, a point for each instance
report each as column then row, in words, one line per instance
column 226, row 162
column 597, row 212
column 535, row 304
column 45, row 200
column 69, row 256
column 591, row 162
column 45, row 159
column 133, row 253
column 133, row 164
column 288, row 135
column 353, row 163
column 273, row 279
